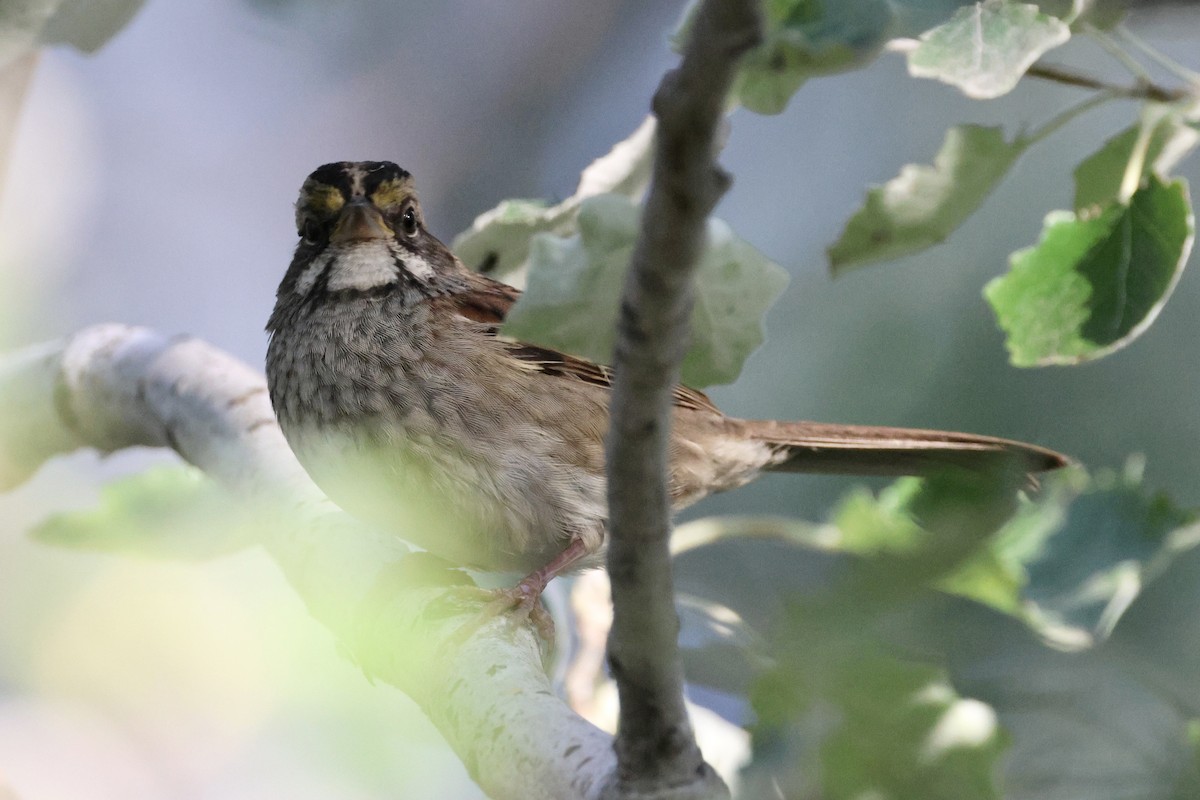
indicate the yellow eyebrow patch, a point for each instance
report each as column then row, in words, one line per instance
column 392, row 192
column 324, row 199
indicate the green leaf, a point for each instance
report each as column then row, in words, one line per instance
column 1154, row 145
column 1160, row 632
column 497, row 243
column 1094, row 283
column 807, row 38
column 847, row 719
column 574, row 289
column 88, row 24
column 924, row 204
column 852, row 695
column 499, row 240
column 165, row 511
column 1092, row 567
column 871, row 524
column 84, row 24
column 1082, row 724
column 984, row 49
column 841, row 713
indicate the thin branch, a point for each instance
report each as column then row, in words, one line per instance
column 114, row 386
column 1135, row 68
column 1137, row 91
column 1160, row 58
column 1064, row 117
column 656, row 749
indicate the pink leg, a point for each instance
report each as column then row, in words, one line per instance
column 524, row 597
column 533, row 584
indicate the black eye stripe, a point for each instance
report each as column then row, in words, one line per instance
column 377, row 172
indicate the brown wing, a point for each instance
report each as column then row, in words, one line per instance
column 488, row 302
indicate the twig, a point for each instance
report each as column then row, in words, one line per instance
column 1138, row 91
column 113, row 386
column 656, row 749
column 1160, row 58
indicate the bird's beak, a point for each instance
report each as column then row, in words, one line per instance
column 360, row 221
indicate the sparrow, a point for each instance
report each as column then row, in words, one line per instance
column 398, row 391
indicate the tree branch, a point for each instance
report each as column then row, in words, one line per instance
column 1141, row 90
column 656, row 749
column 113, row 386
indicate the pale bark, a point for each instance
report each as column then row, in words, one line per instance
column 113, row 386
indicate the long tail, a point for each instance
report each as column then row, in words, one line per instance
column 870, row 450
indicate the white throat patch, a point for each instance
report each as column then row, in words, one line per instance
column 362, row 266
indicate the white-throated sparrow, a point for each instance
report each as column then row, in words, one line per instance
column 404, row 402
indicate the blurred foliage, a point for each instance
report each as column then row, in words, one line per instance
column 499, row 240
column 856, row 662
column 1090, row 287
column 1152, row 146
column 924, row 204
column 574, row 288
column 86, row 24
column 985, row 48
column 168, row 511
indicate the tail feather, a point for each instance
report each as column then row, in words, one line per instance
column 870, row 450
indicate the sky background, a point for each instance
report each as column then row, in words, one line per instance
column 152, row 183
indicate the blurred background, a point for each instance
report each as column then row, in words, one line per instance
column 152, row 183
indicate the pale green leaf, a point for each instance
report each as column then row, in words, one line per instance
column 165, row 511
column 88, row 24
column 84, row 24
column 923, row 204
column 1093, row 284
column 499, row 240
column 574, row 289
column 804, row 39
column 1087, row 572
column 1154, row 145
column 984, row 49
column 855, row 698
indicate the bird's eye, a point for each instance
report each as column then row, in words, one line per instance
column 408, row 221
column 310, row 232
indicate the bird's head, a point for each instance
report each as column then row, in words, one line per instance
column 361, row 232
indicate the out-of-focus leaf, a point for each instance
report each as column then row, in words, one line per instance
column 1094, row 565
column 852, row 693
column 499, row 240
column 957, row 512
column 751, row 568
column 1095, row 283
column 574, row 289
column 1158, row 142
column 804, row 39
column 841, row 714
column 923, row 204
column 85, row 24
column 847, row 720
column 165, row 511
column 984, row 49
column 1081, row 724
column 1159, row 634
column 867, row 523
column 88, row 24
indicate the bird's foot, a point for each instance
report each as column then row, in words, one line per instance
column 523, row 602
column 520, row 604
